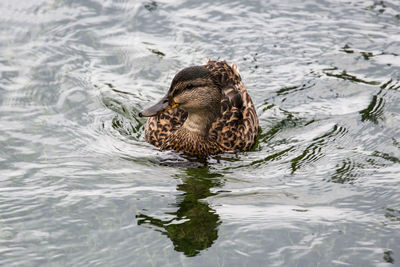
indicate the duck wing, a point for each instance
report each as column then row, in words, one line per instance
column 237, row 126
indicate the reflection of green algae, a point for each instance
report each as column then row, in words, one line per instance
column 367, row 55
column 151, row 6
column 285, row 90
column 388, row 256
column 291, row 89
column 392, row 214
column 313, row 152
column 309, row 154
column 374, row 111
column 110, row 85
column 300, row 210
column 289, row 122
column 345, row 172
column 157, row 52
column 345, row 76
column 194, row 226
column 272, row 157
column 396, row 143
column 386, row 157
column 346, row 49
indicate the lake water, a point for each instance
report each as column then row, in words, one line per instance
column 79, row 185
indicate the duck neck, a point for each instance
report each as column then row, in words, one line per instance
column 199, row 123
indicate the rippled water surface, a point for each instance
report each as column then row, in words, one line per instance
column 81, row 187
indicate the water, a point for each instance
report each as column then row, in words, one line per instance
column 81, row 187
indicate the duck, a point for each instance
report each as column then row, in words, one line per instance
column 206, row 111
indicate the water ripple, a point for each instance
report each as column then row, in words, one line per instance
column 80, row 185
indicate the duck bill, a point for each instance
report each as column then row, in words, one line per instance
column 161, row 106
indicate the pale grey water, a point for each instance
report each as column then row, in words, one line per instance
column 81, row 187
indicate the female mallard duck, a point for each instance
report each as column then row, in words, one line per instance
column 206, row 111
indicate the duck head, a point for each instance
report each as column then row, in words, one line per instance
column 194, row 90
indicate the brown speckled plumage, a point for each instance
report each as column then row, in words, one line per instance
column 230, row 124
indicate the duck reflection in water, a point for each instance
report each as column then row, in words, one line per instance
column 195, row 225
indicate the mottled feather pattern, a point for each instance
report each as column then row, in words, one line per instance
column 235, row 129
column 238, row 127
column 185, row 143
column 160, row 127
column 223, row 74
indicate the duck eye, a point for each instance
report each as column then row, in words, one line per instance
column 189, row 86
